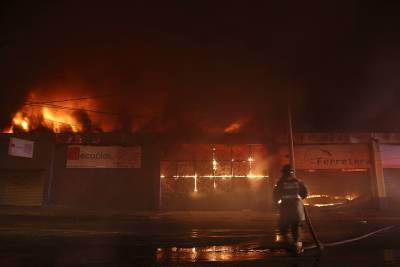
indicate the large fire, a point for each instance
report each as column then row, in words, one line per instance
column 20, row 121
column 60, row 120
column 42, row 117
column 61, row 109
column 57, row 113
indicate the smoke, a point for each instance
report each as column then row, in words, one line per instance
column 83, row 119
column 189, row 68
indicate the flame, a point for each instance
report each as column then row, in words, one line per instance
column 336, row 200
column 59, row 120
column 195, row 183
column 278, row 237
column 214, row 164
column 47, row 109
column 233, row 128
column 54, row 120
column 19, row 121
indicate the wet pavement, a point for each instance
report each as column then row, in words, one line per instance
column 189, row 239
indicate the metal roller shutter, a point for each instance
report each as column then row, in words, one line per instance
column 392, row 183
column 21, row 188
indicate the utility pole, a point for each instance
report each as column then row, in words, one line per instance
column 291, row 142
column 292, row 165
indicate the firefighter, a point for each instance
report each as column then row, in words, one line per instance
column 289, row 193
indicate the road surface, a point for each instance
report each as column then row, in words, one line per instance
column 189, row 239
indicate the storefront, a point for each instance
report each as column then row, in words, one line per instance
column 334, row 173
column 106, row 176
column 93, row 171
column 111, row 171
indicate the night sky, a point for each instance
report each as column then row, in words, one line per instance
column 202, row 65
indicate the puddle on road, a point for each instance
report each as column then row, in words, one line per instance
column 234, row 253
column 228, row 233
column 212, row 253
column 238, row 252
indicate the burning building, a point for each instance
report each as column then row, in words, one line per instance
column 215, row 176
column 80, row 159
column 131, row 171
column 107, row 172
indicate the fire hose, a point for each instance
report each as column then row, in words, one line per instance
column 318, row 243
column 320, row 246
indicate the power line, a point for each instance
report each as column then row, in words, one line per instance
column 70, row 99
column 73, row 109
column 81, row 109
column 60, row 122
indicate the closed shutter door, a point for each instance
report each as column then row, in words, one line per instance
column 21, row 188
column 392, row 183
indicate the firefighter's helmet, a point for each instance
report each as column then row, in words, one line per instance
column 287, row 169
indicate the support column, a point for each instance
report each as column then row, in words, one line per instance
column 378, row 179
column 153, row 156
column 48, row 184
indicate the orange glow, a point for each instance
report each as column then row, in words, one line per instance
column 209, row 254
column 278, row 237
column 54, row 120
column 47, row 110
column 214, row 164
column 195, row 183
column 8, row 130
column 21, row 121
column 333, row 200
column 218, row 176
column 57, row 120
column 233, row 128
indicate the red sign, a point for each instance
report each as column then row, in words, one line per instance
column 73, row 153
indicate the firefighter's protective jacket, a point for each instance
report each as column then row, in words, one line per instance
column 290, row 192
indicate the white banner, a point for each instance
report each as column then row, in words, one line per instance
column 322, row 157
column 103, row 157
column 20, row 148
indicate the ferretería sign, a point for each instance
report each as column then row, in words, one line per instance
column 103, row 157
column 315, row 157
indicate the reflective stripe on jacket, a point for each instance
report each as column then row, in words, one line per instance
column 290, row 191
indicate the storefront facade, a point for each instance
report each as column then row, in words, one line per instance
column 337, row 171
column 131, row 172
column 98, row 172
